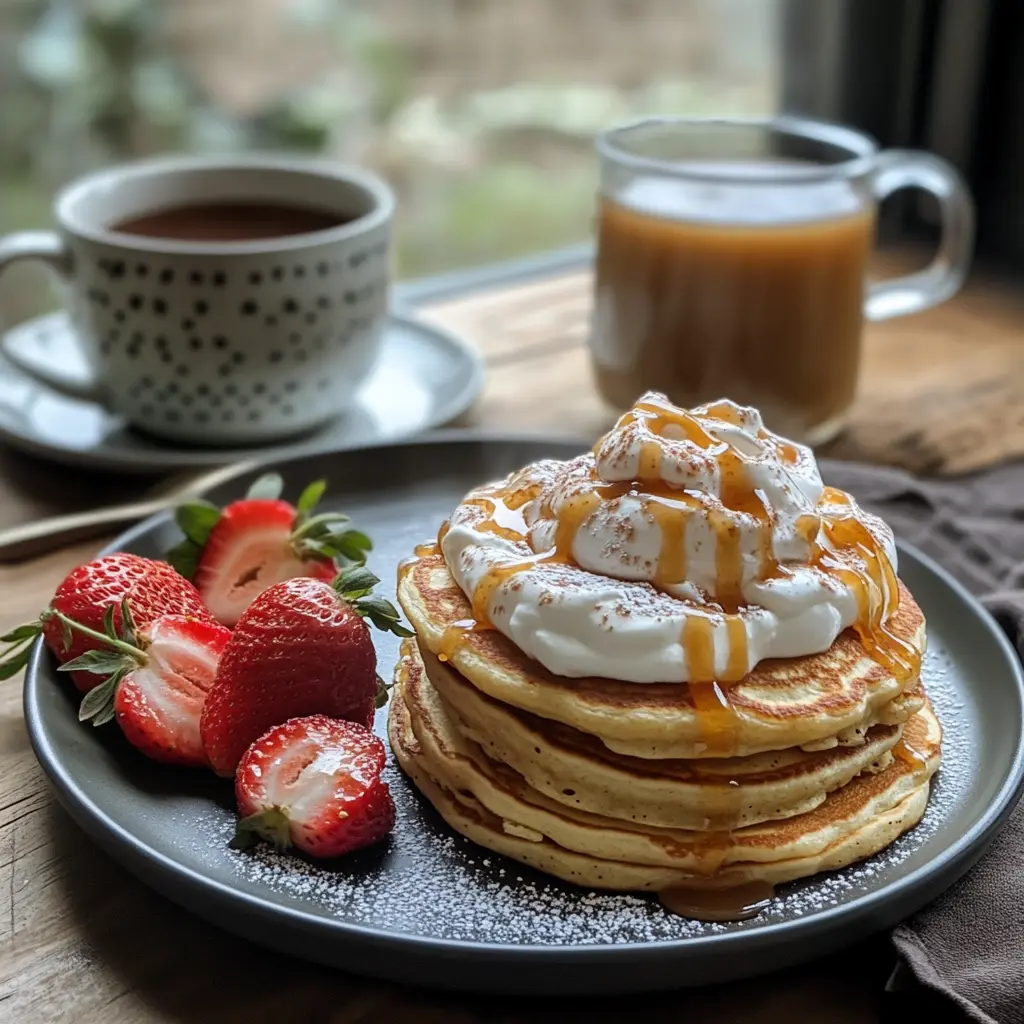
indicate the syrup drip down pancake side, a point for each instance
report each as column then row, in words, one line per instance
column 853, row 823
column 576, row 769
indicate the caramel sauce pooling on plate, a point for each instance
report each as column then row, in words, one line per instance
column 736, row 903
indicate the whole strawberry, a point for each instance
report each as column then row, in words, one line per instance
column 234, row 554
column 154, row 680
column 85, row 595
column 301, row 648
column 314, row 783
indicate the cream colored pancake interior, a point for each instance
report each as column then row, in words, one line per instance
column 577, row 770
column 495, row 807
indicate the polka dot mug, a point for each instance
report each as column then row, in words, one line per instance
column 219, row 342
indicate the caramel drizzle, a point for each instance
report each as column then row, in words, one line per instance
column 505, row 512
column 853, row 556
column 442, row 531
column 511, row 524
column 455, row 635
column 789, row 453
column 869, row 574
column 670, row 517
column 908, row 754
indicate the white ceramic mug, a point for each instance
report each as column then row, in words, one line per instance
column 219, row 342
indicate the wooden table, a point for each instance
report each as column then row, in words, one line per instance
column 81, row 940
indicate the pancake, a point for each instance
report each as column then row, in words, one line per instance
column 505, row 816
column 577, row 770
column 816, row 700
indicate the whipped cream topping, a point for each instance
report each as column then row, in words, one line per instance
column 687, row 547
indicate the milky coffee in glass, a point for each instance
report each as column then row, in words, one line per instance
column 731, row 262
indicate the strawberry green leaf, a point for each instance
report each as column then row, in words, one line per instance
column 15, row 659
column 312, row 549
column 244, row 837
column 354, row 582
column 271, row 824
column 359, row 539
column 98, row 704
column 383, row 693
column 19, row 640
column 383, row 614
column 196, row 519
column 103, row 716
column 100, row 663
column 26, row 632
column 269, row 486
column 129, row 632
column 108, row 621
column 320, row 525
column 184, row 558
column 310, row 498
column 351, row 545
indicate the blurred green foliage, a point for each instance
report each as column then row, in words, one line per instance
column 481, row 173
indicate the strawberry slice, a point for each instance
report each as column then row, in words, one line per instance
column 302, row 648
column 314, row 783
column 234, row 554
column 157, row 679
column 87, row 593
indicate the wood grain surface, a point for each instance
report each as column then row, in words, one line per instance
column 80, row 940
column 941, row 392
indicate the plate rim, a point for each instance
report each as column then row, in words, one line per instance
column 177, row 458
column 881, row 908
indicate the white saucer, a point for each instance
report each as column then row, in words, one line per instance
column 425, row 377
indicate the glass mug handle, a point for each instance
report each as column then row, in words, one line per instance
column 942, row 278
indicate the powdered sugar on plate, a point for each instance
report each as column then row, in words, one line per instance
column 431, row 882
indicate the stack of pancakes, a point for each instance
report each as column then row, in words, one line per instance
column 804, row 765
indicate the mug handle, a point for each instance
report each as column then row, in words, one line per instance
column 49, row 248
column 942, row 278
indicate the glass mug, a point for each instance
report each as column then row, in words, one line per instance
column 731, row 262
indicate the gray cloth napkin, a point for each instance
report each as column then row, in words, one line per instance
column 964, row 954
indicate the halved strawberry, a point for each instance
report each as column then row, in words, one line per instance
column 87, row 593
column 158, row 677
column 301, row 648
column 314, row 783
column 234, row 554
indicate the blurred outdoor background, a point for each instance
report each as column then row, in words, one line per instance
column 481, row 113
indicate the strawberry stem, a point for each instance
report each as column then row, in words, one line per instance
column 109, row 641
column 271, row 824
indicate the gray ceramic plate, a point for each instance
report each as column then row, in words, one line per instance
column 433, row 909
column 424, row 378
